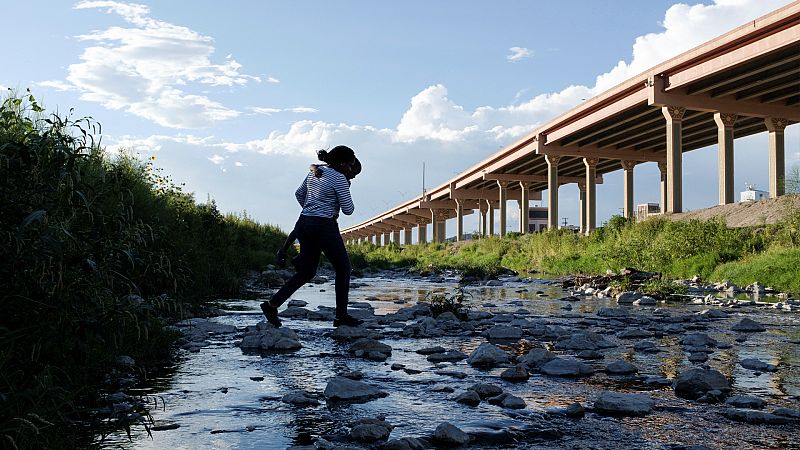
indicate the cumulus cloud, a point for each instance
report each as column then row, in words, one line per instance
column 270, row 111
column 149, row 68
column 156, row 142
column 57, row 85
column 517, row 54
column 216, row 159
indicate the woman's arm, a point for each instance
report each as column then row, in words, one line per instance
column 301, row 193
column 342, row 188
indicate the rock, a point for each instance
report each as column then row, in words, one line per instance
column 504, row 332
column 627, row 297
column 714, row 314
column 451, row 373
column 516, row 373
column 486, row 390
column 406, row 443
column 345, row 333
column 746, row 401
column 749, row 326
column 787, row 412
column 756, row 417
column 296, row 303
column 583, row 340
column 621, row 368
column 266, row 337
column 125, row 361
column 645, row 301
column 447, row 316
column 370, row 430
column 590, row 354
column 698, row 340
column 370, row 349
column 470, row 398
column 442, row 388
column 300, row 399
column 431, row 350
column 295, row 312
column 693, row 384
column 617, row 403
column 513, row 402
column 448, row 434
column 612, row 312
column 165, row 427
column 697, row 357
column 536, row 358
column 575, row 410
column 757, row 365
column 287, row 344
column 561, row 367
column 634, row 333
column 452, row 356
column 646, row 346
column 397, row 366
column 345, row 389
column 487, row 355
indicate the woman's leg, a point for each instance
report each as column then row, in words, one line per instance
column 335, row 251
column 280, row 259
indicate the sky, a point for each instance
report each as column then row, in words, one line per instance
column 234, row 98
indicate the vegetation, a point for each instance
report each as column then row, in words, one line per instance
column 97, row 255
column 446, row 302
column 768, row 254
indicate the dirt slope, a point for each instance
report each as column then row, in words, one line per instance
column 747, row 214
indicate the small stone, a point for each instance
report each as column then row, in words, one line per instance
column 504, row 332
column 575, row 410
column 371, row 430
column 513, row 402
column 746, row 401
column 560, row 367
column 397, row 366
column 431, row 350
column 621, row 368
column 300, row 399
column 645, row 301
column 487, row 355
column 756, row 417
column 451, row 356
column 486, row 390
column 516, row 373
column 406, row 443
column 616, row 403
column 345, row 389
column 757, row 365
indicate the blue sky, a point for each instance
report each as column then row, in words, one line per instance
column 233, row 98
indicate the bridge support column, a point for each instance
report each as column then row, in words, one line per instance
column 434, row 225
column 459, row 220
column 662, row 168
column 482, row 221
column 582, row 209
column 524, row 207
column 591, row 193
column 674, row 117
column 441, row 227
column 422, row 231
column 489, row 218
column 407, row 235
column 396, row 237
column 777, row 161
column 627, row 187
column 503, row 185
column 387, row 238
column 725, row 122
column 552, row 191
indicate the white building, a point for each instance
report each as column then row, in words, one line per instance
column 751, row 194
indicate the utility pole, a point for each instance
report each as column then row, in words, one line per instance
column 565, row 221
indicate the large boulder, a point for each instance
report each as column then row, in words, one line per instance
column 621, row 368
column 370, row 430
column 486, row 390
column 450, row 435
column 504, row 332
column 488, row 355
column 749, row 326
column 698, row 383
column 347, row 390
column 617, row 403
column 537, row 357
column 583, row 340
column 371, row 349
column 266, row 337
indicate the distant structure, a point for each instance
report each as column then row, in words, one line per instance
column 645, row 210
column 751, row 194
column 537, row 219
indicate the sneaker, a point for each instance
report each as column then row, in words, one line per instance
column 271, row 313
column 280, row 259
column 346, row 320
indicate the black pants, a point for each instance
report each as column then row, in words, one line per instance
column 318, row 235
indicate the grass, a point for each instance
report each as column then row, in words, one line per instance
column 80, row 233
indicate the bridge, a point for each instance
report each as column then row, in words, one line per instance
column 744, row 82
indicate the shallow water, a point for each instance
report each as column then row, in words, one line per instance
column 219, row 399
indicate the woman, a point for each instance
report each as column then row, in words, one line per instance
column 321, row 198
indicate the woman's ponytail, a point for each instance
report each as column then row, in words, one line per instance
column 322, row 155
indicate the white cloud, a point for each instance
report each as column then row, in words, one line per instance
column 155, row 143
column 150, row 67
column 273, row 80
column 238, row 164
column 270, row 111
column 216, row 159
column 518, row 54
column 57, row 85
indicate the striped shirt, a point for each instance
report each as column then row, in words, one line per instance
column 324, row 196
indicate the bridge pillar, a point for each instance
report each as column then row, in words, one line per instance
column 489, row 218
column 422, row 231
column 459, row 220
column 627, row 187
column 396, row 237
column 387, row 238
column 662, row 168
column 483, row 224
column 441, row 231
column 503, row 185
column 582, row 209
column 434, row 225
column 552, row 191
column 777, row 161
column 674, row 118
column 591, row 193
column 407, row 235
column 524, row 207
column 725, row 122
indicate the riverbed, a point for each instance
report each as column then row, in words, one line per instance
column 223, row 397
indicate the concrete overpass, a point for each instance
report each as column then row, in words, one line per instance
column 744, row 82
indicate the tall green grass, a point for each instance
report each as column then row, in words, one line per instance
column 676, row 249
column 82, row 237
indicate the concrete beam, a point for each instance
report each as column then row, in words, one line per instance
column 593, row 151
column 482, row 194
column 516, row 178
column 657, row 96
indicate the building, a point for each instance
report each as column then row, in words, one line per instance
column 645, row 210
column 537, row 219
column 751, row 194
